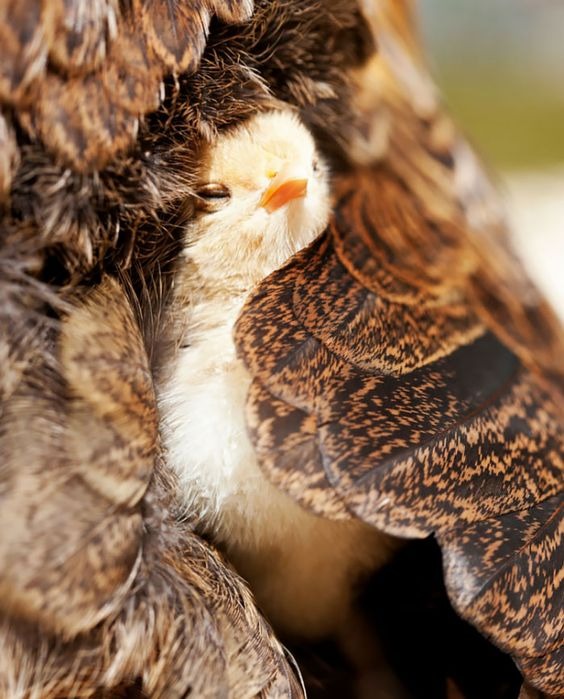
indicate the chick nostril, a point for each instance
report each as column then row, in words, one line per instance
column 271, row 174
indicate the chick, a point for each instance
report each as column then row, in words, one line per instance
column 264, row 195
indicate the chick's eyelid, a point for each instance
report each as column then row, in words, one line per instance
column 213, row 190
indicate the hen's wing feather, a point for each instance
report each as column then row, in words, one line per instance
column 81, row 74
column 465, row 244
column 398, row 406
column 514, row 564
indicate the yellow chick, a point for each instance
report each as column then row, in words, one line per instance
column 264, row 195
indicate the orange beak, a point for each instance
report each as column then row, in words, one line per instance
column 286, row 186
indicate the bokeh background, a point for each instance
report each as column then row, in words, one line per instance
column 500, row 65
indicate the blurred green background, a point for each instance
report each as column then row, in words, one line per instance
column 500, row 64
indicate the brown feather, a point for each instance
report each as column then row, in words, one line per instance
column 9, row 157
column 466, row 245
column 26, row 30
column 56, row 56
column 94, row 555
column 84, row 32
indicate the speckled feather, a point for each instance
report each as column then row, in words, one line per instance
column 467, row 251
column 464, row 244
column 408, row 413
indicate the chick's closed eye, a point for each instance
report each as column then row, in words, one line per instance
column 211, row 196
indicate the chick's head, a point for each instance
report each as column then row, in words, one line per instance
column 263, row 195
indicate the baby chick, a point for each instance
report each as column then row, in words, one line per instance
column 264, row 195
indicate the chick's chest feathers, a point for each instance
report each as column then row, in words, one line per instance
column 302, row 568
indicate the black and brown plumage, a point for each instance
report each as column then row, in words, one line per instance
column 427, row 422
column 395, row 384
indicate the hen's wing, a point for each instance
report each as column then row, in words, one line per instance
column 375, row 399
column 406, row 372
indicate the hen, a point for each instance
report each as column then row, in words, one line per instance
column 411, row 361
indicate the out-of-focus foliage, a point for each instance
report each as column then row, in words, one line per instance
column 501, row 68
